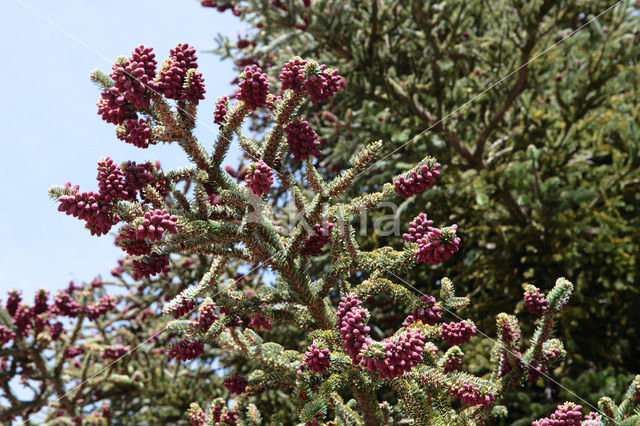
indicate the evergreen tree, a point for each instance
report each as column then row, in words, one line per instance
column 227, row 311
column 530, row 107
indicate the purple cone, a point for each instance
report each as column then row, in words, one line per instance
column 136, row 132
column 155, row 223
column 534, row 301
column 254, row 88
column 320, row 237
column 152, row 265
column 292, row 75
column 417, row 180
column 302, row 140
column 186, row 350
column 427, row 314
column 438, row 245
column 220, row 112
column 355, row 334
column 236, row 384
column 259, row 178
column 317, row 359
column 457, row 333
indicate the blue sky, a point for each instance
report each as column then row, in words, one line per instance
column 51, row 132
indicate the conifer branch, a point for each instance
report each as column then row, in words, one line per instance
column 275, row 137
column 241, row 275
